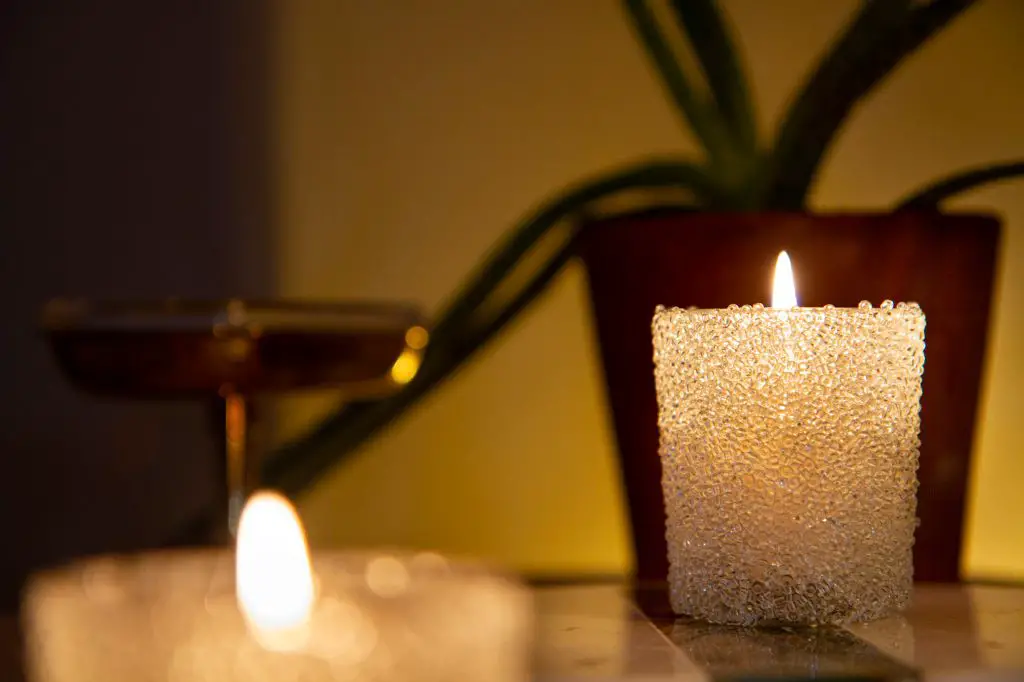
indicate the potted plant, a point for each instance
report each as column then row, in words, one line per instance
column 742, row 200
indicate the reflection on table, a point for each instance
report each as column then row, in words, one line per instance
column 609, row 631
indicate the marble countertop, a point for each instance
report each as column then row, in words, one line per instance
column 615, row 632
column 951, row 632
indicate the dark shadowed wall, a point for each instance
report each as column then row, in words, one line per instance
column 131, row 165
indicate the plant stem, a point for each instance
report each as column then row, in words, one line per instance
column 466, row 329
column 697, row 111
column 704, row 25
column 931, row 196
column 298, row 465
column 883, row 33
column 519, row 240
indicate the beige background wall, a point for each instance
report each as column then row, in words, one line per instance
column 410, row 134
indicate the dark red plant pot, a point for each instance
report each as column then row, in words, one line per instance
column 677, row 258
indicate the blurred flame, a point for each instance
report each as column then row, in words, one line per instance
column 405, row 367
column 417, row 338
column 274, row 580
column 783, row 287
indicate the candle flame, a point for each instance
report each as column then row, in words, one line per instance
column 274, row 580
column 405, row 367
column 783, row 287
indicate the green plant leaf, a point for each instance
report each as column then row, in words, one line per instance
column 474, row 318
column 705, row 27
column 931, row 196
column 297, row 466
column 695, row 109
column 519, row 240
column 881, row 35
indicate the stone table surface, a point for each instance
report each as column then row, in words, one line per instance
column 950, row 632
column 607, row 631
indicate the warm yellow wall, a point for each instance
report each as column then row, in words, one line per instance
column 409, row 139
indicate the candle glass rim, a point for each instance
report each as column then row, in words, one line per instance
column 901, row 307
column 135, row 570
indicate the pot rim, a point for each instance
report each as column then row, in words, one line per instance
column 827, row 214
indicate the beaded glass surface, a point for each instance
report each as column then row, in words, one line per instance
column 789, row 449
column 173, row 617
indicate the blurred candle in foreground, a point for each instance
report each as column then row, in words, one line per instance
column 789, row 447
column 271, row 612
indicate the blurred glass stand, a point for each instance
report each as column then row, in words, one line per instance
column 228, row 352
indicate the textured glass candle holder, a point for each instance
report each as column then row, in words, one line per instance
column 173, row 617
column 789, row 447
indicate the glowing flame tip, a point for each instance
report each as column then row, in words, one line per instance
column 783, row 287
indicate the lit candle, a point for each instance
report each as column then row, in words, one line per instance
column 274, row 579
column 789, row 446
column 272, row 612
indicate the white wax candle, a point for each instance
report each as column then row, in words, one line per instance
column 789, row 445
